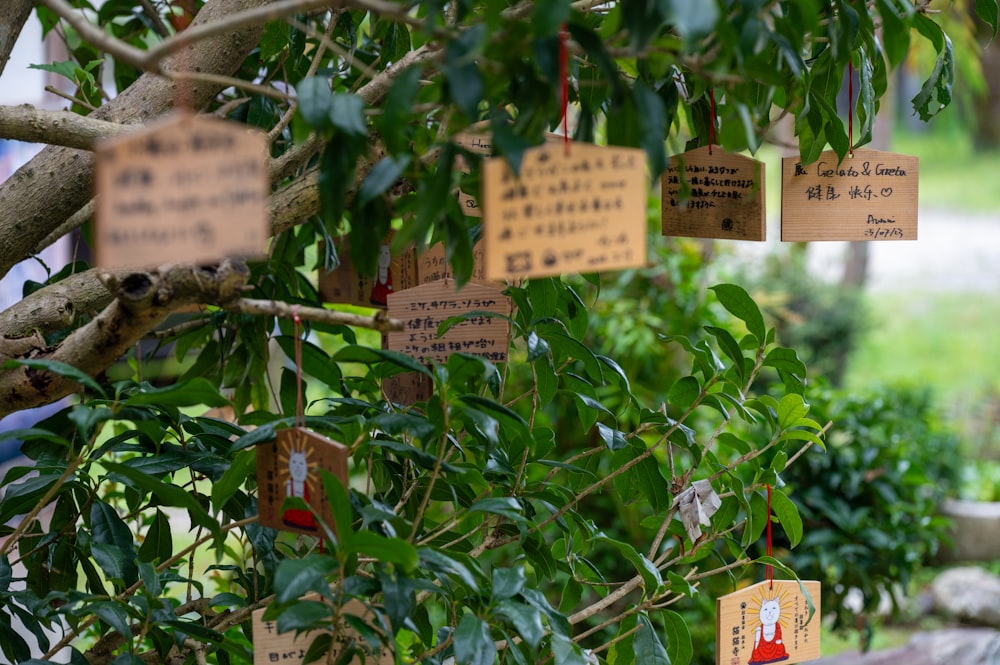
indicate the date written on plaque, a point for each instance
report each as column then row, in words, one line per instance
column 870, row 196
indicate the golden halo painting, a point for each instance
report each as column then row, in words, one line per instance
column 289, row 466
column 768, row 645
column 294, row 476
column 768, row 622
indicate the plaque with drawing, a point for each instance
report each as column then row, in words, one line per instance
column 289, row 467
column 714, row 194
column 345, row 285
column 769, row 622
column 187, row 189
column 870, row 196
column 576, row 208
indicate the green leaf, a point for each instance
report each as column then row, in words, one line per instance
column 505, row 506
column 653, row 126
column 987, row 10
column 118, row 563
column 729, row 346
column 791, row 409
column 107, row 527
column 368, row 356
column 382, row 176
column 170, row 495
column 158, row 544
column 648, row 648
column 567, row 652
column 394, row 122
column 473, row 643
column 315, row 360
column 386, row 550
column 243, row 465
column 675, row 630
column 113, row 614
column 59, row 368
column 692, row 20
column 788, row 515
column 650, row 575
column 527, row 620
column 315, row 102
column 303, row 615
column 466, row 87
column 508, row 582
column 340, row 505
column 347, row 113
column 548, row 16
column 193, row 392
column 739, row 303
column 935, row 94
column 684, row 392
column 296, row 577
column 612, row 437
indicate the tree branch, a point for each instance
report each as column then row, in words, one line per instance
column 380, row 321
column 12, row 19
column 142, row 301
column 26, row 123
column 42, row 194
column 56, row 306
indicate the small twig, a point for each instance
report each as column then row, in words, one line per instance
column 70, row 98
column 154, row 16
column 380, row 322
column 228, row 81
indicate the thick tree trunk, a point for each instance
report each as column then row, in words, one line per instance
column 59, row 181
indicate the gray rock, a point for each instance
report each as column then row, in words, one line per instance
column 969, row 594
column 959, row 646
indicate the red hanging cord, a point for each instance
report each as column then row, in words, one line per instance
column 564, row 82
column 770, row 569
column 300, row 415
column 850, row 106
column 711, row 122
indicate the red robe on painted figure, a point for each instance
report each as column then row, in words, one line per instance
column 769, row 652
column 299, row 518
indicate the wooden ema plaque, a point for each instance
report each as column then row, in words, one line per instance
column 479, row 140
column 346, row 286
column 432, row 264
column 768, row 624
column 271, row 647
column 871, row 196
column 188, row 189
column 575, row 209
column 406, row 388
column 289, row 467
column 423, row 308
column 714, row 195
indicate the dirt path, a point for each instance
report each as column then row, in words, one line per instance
column 955, row 252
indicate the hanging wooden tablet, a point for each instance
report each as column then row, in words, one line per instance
column 423, row 308
column 406, row 388
column 870, row 196
column 575, row 208
column 347, row 286
column 432, row 264
column 270, row 646
column 768, row 622
column 289, row 467
column 478, row 139
column 188, row 189
column 709, row 193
